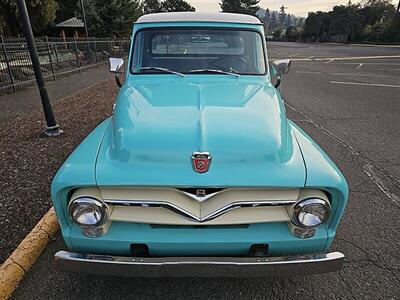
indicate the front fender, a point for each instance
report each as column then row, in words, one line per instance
column 322, row 173
column 78, row 170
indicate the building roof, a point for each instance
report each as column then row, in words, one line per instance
column 199, row 17
column 73, row 22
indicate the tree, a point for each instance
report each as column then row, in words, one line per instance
column 111, row 18
column 67, row 9
column 176, row 5
column 288, row 21
column 273, row 21
column 282, row 15
column 249, row 7
column 41, row 12
column 152, row 6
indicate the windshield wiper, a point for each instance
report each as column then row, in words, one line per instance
column 165, row 70
column 214, row 71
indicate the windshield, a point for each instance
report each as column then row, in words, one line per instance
column 190, row 51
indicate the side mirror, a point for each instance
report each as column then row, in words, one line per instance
column 280, row 68
column 117, row 67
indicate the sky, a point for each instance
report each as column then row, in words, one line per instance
column 296, row 7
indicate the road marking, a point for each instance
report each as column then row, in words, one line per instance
column 365, row 84
column 308, row 72
column 346, row 58
column 369, row 167
column 357, row 74
column 329, row 61
column 359, row 66
column 280, row 52
column 293, row 55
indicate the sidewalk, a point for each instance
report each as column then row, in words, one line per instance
column 17, row 104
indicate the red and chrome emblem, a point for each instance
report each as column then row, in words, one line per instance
column 201, row 161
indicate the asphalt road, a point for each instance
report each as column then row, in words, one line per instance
column 350, row 107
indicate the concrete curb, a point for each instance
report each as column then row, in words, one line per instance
column 28, row 251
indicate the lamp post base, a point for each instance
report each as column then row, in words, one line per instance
column 53, row 131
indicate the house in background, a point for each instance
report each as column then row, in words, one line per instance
column 71, row 28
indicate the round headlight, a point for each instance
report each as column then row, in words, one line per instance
column 311, row 212
column 86, row 211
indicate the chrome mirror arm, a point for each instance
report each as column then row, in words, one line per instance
column 117, row 81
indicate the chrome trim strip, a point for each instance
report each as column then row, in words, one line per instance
column 213, row 215
column 199, row 266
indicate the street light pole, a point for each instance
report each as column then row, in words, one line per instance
column 52, row 129
column 85, row 24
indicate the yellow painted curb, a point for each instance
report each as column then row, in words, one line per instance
column 19, row 262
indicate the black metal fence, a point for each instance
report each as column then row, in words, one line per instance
column 57, row 57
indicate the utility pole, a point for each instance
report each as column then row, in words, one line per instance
column 52, row 129
column 85, row 24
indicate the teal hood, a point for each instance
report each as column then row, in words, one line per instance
column 158, row 124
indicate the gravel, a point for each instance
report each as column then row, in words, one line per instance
column 29, row 160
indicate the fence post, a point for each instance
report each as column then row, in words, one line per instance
column 95, row 52
column 77, row 55
column 109, row 47
column 7, row 63
column 56, row 53
column 50, row 58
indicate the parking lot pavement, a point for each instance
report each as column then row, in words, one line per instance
column 354, row 118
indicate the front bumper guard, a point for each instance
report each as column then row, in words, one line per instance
column 123, row 266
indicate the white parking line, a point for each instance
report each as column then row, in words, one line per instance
column 293, row 55
column 359, row 66
column 365, row 84
column 357, row 74
column 308, row 72
column 329, row 61
column 346, row 58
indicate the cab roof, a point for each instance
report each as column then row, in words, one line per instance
column 199, row 17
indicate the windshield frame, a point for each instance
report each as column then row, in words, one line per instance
column 264, row 53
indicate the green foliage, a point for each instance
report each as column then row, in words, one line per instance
column 371, row 21
column 111, row 18
column 152, row 6
column 41, row 12
column 67, row 9
column 176, row 5
column 249, row 7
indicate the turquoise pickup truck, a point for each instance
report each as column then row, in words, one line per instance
column 198, row 172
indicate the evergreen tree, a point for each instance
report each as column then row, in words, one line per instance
column 288, row 21
column 274, row 23
column 232, row 6
column 152, row 6
column 67, row 9
column 111, row 18
column 282, row 16
column 249, row 7
column 176, row 5
column 41, row 12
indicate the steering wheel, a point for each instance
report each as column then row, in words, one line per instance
column 230, row 63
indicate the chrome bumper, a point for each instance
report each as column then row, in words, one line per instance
column 123, row 266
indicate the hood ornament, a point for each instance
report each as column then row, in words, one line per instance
column 201, row 161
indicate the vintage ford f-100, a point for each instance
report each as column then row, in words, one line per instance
column 198, row 171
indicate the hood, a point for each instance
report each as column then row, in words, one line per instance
column 159, row 123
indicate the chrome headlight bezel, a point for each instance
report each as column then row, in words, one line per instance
column 300, row 207
column 96, row 204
